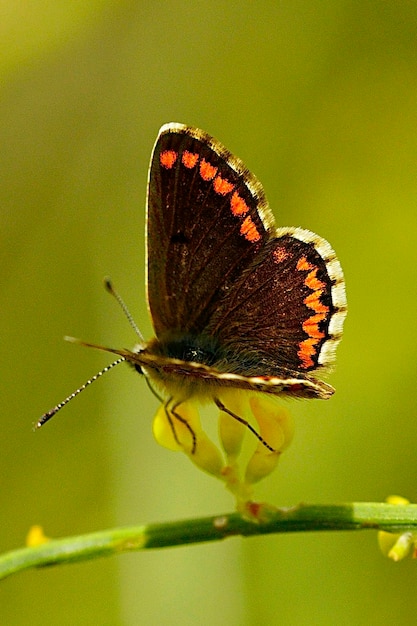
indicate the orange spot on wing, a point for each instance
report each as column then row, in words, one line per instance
column 306, row 351
column 308, row 347
column 249, row 230
column 311, row 326
column 238, row 205
column 189, row 159
column 207, row 171
column 167, row 158
column 312, row 281
column 222, row 186
column 280, row 254
column 303, row 264
column 313, row 302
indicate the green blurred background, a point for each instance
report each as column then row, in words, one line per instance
column 319, row 99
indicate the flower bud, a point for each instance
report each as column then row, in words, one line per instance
column 276, row 429
column 182, row 431
column 231, row 431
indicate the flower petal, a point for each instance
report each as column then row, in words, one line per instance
column 231, row 431
column 162, row 430
column 207, row 456
column 276, row 429
column 182, row 431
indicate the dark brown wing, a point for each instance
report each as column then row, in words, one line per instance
column 285, row 312
column 207, row 220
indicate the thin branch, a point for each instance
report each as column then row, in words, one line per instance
column 304, row 517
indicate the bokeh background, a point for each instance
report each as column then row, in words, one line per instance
column 319, row 99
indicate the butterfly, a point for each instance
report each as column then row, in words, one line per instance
column 235, row 302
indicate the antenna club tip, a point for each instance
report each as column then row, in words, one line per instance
column 41, row 421
column 108, row 284
column 71, row 339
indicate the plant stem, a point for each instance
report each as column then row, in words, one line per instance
column 304, row 517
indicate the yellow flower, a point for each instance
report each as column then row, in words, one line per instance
column 36, row 537
column 180, row 429
column 276, row 429
column 396, row 546
column 177, row 426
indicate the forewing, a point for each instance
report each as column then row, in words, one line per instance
column 207, row 220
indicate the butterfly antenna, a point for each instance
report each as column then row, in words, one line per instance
column 47, row 416
column 109, row 286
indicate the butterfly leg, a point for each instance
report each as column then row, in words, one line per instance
column 155, row 393
column 223, row 408
column 171, row 412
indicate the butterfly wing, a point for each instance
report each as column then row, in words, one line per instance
column 207, row 220
column 284, row 314
column 272, row 300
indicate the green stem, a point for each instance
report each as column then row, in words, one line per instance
column 304, row 517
